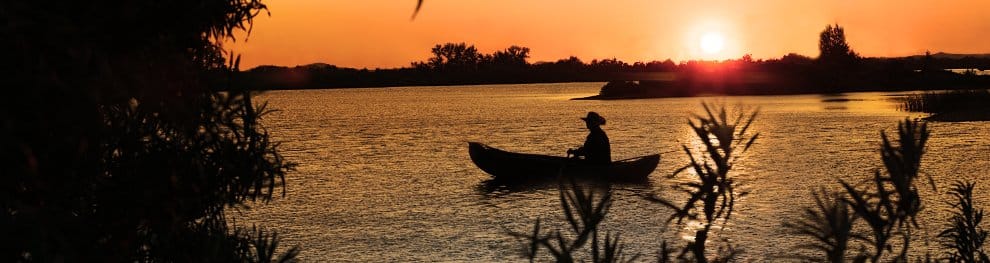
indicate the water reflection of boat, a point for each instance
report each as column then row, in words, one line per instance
column 509, row 166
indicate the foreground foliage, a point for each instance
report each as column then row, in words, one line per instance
column 713, row 191
column 584, row 213
column 121, row 138
column 964, row 236
column 889, row 206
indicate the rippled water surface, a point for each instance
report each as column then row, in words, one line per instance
column 384, row 174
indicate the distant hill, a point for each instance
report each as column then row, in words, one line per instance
column 943, row 55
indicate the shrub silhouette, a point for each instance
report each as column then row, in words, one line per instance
column 122, row 138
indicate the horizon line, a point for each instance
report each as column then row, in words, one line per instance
column 987, row 54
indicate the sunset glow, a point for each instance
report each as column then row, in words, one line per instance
column 380, row 33
column 494, row 130
column 712, row 43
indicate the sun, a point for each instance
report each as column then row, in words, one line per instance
column 712, row 42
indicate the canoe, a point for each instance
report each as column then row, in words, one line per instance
column 509, row 166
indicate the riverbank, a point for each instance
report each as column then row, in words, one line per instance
column 951, row 106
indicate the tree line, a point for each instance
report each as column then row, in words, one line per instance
column 837, row 68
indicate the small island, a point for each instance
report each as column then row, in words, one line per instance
column 838, row 69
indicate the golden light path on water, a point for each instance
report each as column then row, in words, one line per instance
column 384, row 174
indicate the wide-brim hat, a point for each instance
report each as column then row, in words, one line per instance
column 594, row 118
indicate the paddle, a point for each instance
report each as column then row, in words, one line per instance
column 644, row 155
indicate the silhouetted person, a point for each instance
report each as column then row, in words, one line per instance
column 596, row 148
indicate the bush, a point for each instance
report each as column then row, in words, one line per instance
column 121, row 138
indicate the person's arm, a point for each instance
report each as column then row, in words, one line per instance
column 580, row 151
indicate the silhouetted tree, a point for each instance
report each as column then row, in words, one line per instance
column 837, row 61
column 571, row 62
column 661, row 66
column 608, row 65
column 121, row 138
column 748, row 58
column 454, row 56
column 833, row 47
column 514, row 56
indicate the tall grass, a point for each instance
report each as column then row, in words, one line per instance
column 947, row 101
column 964, row 238
column 888, row 205
column 713, row 191
column 830, row 224
column 891, row 204
column 584, row 212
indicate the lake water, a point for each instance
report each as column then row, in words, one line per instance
column 384, row 174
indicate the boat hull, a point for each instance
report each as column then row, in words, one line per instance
column 509, row 166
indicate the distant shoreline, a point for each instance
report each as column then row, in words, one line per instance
column 600, row 97
column 790, row 74
column 631, row 92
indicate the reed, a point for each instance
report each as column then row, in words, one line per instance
column 713, row 190
column 947, row 101
column 890, row 209
column 963, row 237
column 830, row 224
column 888, row 205
column 584, row 212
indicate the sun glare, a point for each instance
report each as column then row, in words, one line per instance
column 712, row 43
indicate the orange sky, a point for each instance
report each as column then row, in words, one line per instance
column 380, row 34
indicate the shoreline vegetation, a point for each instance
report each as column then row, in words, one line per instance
column 952, row 105
column 837, row 69
column 790, row 74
